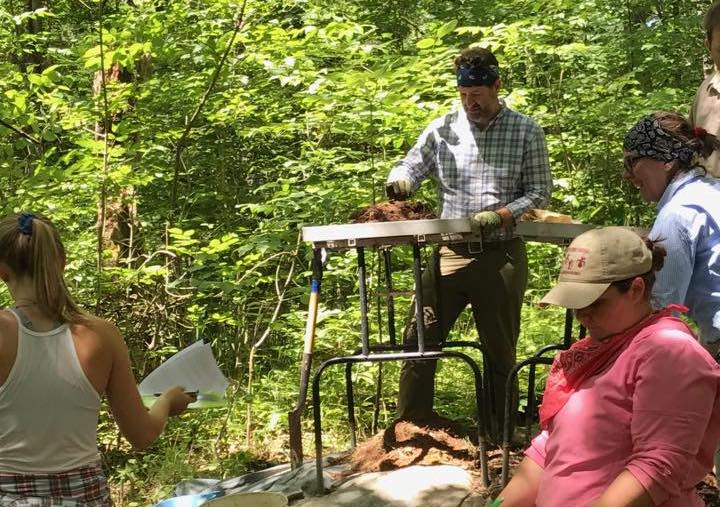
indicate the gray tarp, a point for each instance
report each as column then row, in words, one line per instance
column 429, row 486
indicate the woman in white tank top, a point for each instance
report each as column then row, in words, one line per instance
column 56, row 364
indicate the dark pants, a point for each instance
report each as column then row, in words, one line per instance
column 493, row 283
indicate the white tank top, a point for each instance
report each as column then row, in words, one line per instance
column 48, row 407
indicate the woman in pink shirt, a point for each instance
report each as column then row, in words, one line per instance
column 631, row 414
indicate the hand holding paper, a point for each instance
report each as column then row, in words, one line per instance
column 178, row 399
column 195, row 369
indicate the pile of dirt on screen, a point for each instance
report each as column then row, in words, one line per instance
column 393, row 211
column 434, row 442
column 709, row 492
column 441, row 441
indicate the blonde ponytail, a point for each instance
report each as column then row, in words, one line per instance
column 31, row 247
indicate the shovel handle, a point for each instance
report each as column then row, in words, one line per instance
column 309, row 343
column 312, row 317
column 295, row 415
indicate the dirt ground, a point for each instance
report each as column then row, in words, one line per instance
column 442, row 441
column 709, row 492
column 393, row 211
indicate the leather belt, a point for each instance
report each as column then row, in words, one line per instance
column 476, row 247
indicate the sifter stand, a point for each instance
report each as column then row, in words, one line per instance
column 415, row 234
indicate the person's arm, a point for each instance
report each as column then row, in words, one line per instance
column 670, row 414
column 419, row 161
column 506, row 215
column 672, row 281
column 624, row 491
column 522, row 489
column 535, row 177
column 137, row 424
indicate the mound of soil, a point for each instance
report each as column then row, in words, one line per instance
column 404, row 444
column 441, row 441
column 393, row 211
column 432, row 442
column 708, row 491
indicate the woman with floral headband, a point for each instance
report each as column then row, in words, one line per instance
column 631, row 414
column 660, row 160
column 56, row 363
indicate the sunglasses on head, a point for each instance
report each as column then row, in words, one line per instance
column 629, row 162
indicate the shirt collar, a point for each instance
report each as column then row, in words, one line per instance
column 501, row 113
column 497, row 118
column 678, row 181
column 714, row 81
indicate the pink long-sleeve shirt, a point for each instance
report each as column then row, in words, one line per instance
column 655, row 412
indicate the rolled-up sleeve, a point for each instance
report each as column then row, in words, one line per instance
column 535, row 178
column 536, row 451
column 675, row 389
column 419, row 162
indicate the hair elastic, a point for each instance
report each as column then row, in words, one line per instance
column 25, row 221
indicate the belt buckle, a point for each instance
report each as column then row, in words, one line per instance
column 475, row 246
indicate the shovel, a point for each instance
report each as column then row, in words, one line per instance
column 295, row 415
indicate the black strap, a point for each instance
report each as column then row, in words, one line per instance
column 24, row 320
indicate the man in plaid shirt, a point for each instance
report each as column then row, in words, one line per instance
column 490, row 164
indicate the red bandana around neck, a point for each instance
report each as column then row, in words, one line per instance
column 588, row 357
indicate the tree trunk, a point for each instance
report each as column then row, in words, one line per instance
column 33, row 59
column 118, row 223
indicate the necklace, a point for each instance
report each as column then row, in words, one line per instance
column 25, row 301
column 24, row 304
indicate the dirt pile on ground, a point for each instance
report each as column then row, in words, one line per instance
column 442, row 441
column 434, row 442
column 708, row 491
column 393, row 211
column 404, row 443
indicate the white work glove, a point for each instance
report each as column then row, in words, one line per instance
column 398, row 190
column 486, row 220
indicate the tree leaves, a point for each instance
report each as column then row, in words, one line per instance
column 317, row 101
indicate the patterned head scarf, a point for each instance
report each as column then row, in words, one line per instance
column 648, row 139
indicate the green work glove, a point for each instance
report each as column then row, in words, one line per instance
column 495, row 503
column 398, row 190
column 486, row 220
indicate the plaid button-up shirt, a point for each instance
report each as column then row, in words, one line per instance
column 504, row 165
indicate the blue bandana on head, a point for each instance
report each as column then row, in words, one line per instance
column 477, row 75
column 25, row 221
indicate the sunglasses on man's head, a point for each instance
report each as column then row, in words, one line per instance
column 629, row 162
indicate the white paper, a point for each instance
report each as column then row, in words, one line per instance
column 194, row 368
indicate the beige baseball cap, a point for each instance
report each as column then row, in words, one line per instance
column 593, row 261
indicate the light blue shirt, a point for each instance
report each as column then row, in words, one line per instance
column 687, row 225
column 504, row 164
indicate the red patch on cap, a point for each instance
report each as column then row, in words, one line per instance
column 575, row 261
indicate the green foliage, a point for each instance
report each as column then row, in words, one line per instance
column 315, row 102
